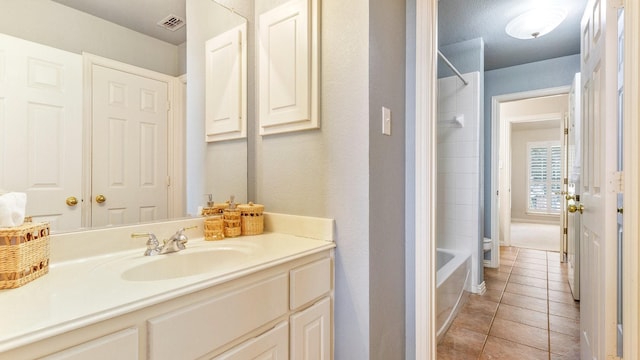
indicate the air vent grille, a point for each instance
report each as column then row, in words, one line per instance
column 172, row 22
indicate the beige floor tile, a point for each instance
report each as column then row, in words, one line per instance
column 563, row 325
column 478, row 322
column 520, row 333
column 529, row 272
column 527, row 265
column 532, row 260
column 523, row 316
column 565, row 310
column 557, row 277
column 500, row 349
column 527, row 280
column 527, row 290
column 561, row 296
column 559, row 286
column 493, row 295
column 565, row 345
column 493, row 273
column 495, row 284
column 461, row 343
column 525, row 302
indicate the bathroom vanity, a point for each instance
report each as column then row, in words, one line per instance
column 230, row 299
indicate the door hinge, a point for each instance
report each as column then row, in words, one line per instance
column 566, row 181
column 168, row 181
column 566, row 131
column 617, row 182
column 168, row 105
column 565, row 231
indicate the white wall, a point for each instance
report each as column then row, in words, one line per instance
column 49, row 23
column 457, row 216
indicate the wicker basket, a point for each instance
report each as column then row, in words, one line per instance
column 24, row 254
column 252, row 218
column 214, row 228
column 216, row 209
column 232, row 223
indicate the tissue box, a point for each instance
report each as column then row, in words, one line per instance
column 24, row 254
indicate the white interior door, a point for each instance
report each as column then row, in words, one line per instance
column 41, row 129
column 573, row 169
column 598, row 284
column 129, row 166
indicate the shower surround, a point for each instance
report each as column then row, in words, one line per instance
column 459, row 156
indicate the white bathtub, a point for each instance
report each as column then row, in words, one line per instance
column 453, row 278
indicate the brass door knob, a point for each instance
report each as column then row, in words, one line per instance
column 573, row 208
column 570, row 197
column 100, row 199
column 72, row 201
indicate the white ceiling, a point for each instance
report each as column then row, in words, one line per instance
column 460, row 20
column 139, row 15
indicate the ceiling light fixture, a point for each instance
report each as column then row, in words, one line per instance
column 535, row 23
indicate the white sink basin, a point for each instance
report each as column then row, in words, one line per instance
column 199, row 259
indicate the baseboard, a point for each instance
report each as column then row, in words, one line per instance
column 553, row 220
column 479, row 289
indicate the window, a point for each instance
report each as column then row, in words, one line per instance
column 545, row 177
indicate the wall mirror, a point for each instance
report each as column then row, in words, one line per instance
column 35, row 135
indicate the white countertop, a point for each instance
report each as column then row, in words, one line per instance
column 79, row 291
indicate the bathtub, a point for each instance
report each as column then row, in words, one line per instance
column 452, row 278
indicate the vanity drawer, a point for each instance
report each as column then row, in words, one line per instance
column 309, row 282
column 199, row 329
column 121, row 345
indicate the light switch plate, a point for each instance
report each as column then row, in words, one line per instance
column 386, row 121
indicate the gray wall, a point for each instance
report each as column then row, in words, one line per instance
column 325, row 172
column 533, row 76
column 386, row 179
column 49, row 23
column 410, row 187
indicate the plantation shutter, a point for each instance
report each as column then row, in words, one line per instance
column 545, row 176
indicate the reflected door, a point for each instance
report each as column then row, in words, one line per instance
column 129, row 167
column 41, row 129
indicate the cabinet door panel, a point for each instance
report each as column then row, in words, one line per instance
column 272, row 345
column 201, row 328
column 311, row 332
column 122, row 345
column 310, row 282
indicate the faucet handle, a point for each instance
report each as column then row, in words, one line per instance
column 153, row 246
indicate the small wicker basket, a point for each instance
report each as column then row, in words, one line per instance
column 24, row 254
column 214, row 228
column 232, row 223
column 216, row 209
column 252, row 218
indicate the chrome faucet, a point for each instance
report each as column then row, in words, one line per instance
column 175, row 243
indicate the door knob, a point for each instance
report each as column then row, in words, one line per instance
column 570, row 197
column 573, row 208
column 100, row 199
column 72, row 201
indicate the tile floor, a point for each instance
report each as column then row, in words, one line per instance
column 527, row 312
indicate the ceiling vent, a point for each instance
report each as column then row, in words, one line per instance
column 171, row 22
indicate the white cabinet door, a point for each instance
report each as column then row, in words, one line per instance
column 226, row 85
column 272, row 345
column 129, row 167
column 311, row 332
column 122, row 345
column 288, row 67
column 41, row 129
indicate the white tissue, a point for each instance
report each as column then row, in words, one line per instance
column 12, row 209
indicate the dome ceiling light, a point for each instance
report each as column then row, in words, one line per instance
column 535, row 23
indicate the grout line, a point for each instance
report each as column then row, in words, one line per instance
column 484, row 344
column 548, row 308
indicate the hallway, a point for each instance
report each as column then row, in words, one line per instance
column 527, row 312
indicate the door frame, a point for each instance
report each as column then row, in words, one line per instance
column 631, row 214
column 175, row 131
column 501, row 131
column 425, row 239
